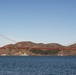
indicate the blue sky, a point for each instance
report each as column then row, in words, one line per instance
column 46, row 21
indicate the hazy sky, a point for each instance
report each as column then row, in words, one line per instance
column 46, row 21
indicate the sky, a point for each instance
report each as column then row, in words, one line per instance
column 39, row 21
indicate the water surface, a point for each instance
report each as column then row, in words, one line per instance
column 38, row 65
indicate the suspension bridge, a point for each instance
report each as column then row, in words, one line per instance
column 3, row 36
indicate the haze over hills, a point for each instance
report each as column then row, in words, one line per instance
column 31, row 48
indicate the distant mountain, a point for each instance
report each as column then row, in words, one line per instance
column 31, row 48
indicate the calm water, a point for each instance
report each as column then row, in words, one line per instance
column 33, row 65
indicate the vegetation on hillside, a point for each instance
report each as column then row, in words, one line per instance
column 45, row 52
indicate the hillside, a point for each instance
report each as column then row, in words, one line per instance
column 31, row 48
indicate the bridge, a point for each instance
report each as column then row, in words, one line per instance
column 3, row 36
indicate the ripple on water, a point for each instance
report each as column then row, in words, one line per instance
column 37, row 65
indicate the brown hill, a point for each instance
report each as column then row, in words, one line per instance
column 31, row 44
column 30, row 48
column 54, row 45
column 72, row 46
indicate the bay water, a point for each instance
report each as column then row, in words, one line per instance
column 37, row 65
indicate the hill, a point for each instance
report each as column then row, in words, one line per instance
column 31, row 48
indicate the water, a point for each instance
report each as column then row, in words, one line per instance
column 38, row 65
